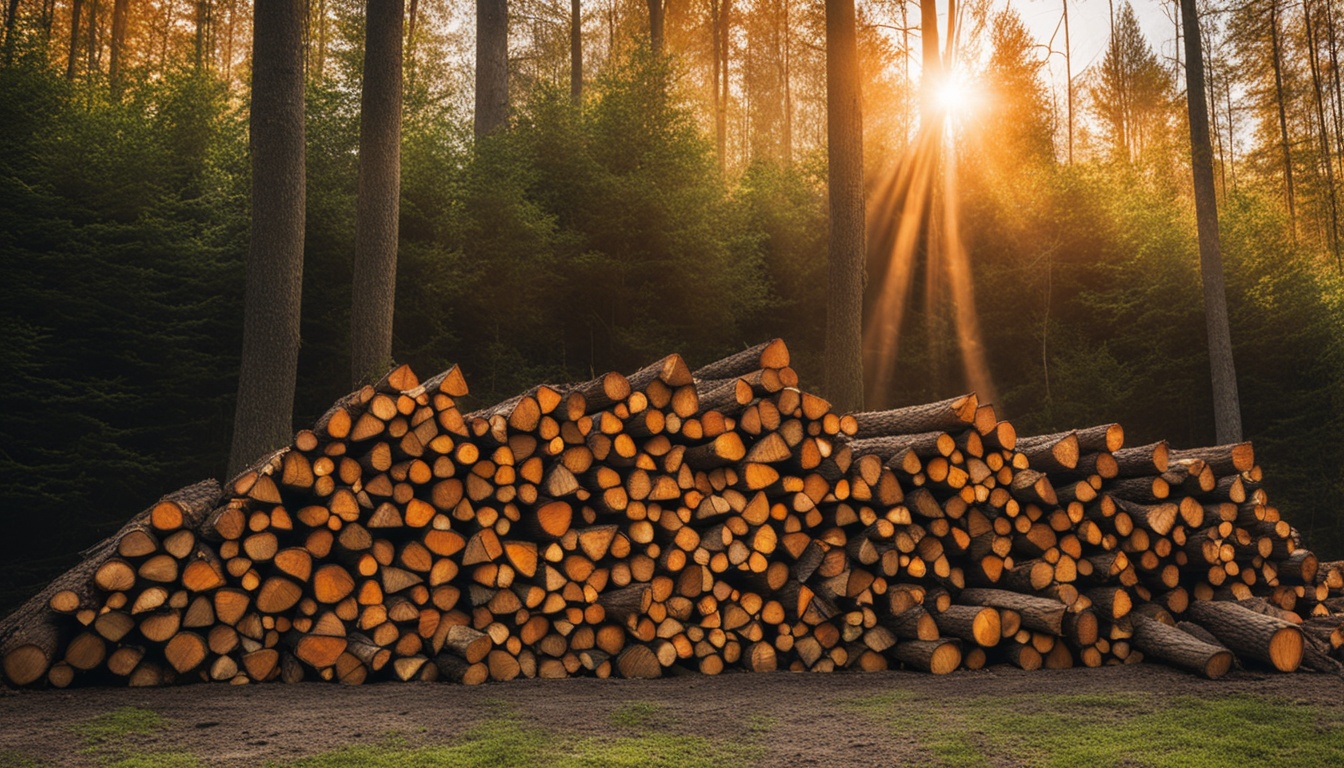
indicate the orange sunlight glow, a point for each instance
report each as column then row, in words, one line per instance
column 916, row 214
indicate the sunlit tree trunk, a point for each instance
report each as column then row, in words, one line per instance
column 786, row 33
column 91, row 47
column 1276, row 62
column 1068, row 76
column 492, row 65
column 576, row 51
column 722, row 82
column 1226, row 404
column 1326, row 160
column 275, row 253
column 844, row 132
column 118, row 47
column 412, row 19
column 377, row 210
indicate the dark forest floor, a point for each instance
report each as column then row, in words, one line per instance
column 1134, row 715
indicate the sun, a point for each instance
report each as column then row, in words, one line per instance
column 957, row 97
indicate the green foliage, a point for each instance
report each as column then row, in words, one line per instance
column 1117, row 730
column 121, row 250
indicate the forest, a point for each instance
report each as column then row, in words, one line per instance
column 626, row 179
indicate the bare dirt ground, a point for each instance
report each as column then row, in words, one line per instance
column 812, row 718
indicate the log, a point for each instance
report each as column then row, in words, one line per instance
column 30, row 637
column 951, row 415
column 1251, row 634
column 1180, row 649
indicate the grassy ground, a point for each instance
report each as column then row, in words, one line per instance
column 1124, row 728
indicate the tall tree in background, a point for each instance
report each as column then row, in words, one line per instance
column 119, row 8
column 492, row 65
column 1133, row 90
column 1226, row 404
column 71, row 62
column 845, row 252
column 1276, row 61
column 576, row 50
column 275, row 252
column 377, row 210
column 657, row 18
column 11, row 16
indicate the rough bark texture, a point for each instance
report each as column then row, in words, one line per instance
column 378, row 209
column 845, row 253
column 492, row 65
column 1226, row 404
column 275, row 254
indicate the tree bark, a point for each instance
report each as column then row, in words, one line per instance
column 576, row 50
column 657, row 13
column 844, row 131
column 378, row 207
column 71, row 62
column 1313, row 40
column 275, row 253
column 119, row 8
column 1277, row 62
column 492, row 65
column 1226, row 404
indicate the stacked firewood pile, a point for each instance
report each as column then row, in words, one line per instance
column 709, row 520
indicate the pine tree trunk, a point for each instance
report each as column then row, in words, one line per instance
column 378, row 208
column 71, row 62
column 492, row 65
column 1277, row 62
column 275, row 252
column 1318, row 93
column 721, row 118
column 576, row 51
column 1226, row 404
column 118, row 43
column 844, row 131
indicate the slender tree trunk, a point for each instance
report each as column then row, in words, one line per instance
column 412, row 19
column 1231, row 134
column 321, row 40
column 1226, row 404
column 1212, row 97
column 785, row 78
column 576, row 51
column 72, row 61
column 657, row 14
column 716, row 40
column 1338, row 100
column 845, row 258
column 1318, row 93
column 378, row 207
column 932, row 62
column 1068, row 76
column 1277, row 62
column 11, row 16
column 721, row 118
column 202, row 16
column 492, row 65
column 119, row 8
column 275, row 254
column 91, row 47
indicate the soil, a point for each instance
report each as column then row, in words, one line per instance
column 810, row 720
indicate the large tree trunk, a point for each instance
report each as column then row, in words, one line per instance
column 71, row 61
column 576, row 50
column 275, row 253
column 118, row 43
column 492, row 65
column 844, row 131
column 1226, row 404
column 378, row 208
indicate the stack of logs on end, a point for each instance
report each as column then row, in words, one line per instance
column 707, row 520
